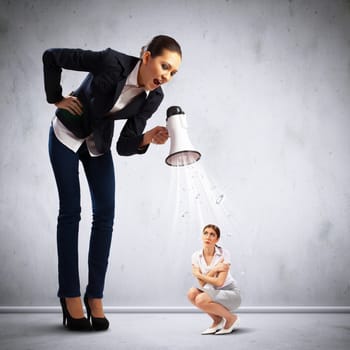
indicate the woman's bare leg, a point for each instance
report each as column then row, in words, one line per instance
column 192, row 294
column 205, row 303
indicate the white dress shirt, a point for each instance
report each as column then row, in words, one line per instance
column 199, row 261
column 130, row 90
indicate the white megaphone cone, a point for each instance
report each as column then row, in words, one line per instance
column 182, row 151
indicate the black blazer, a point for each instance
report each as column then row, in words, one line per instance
column 108, row 71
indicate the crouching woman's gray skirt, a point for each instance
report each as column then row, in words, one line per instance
column 228, row 296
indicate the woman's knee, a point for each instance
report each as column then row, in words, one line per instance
column 192, row 293
column 202, row 299
column 103, row 209
column 104, row 216
column 69, row 214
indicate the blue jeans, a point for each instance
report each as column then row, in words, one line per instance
column 99, row 172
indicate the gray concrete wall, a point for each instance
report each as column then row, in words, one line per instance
column 265, row 85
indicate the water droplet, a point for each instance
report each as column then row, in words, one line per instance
column 219, row 199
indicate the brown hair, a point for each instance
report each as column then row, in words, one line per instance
column 214, row 227
column 160, row 43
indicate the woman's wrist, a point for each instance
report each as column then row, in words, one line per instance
column 146, row 140
column 58, row 102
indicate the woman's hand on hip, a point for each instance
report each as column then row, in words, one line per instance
column 71, row 104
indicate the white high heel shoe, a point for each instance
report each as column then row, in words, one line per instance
column 235, row 326
column 213, row 330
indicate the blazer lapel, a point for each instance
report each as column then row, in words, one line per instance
column 102, row 103
column 131, row 108
column 128, row 63
column 118, row 91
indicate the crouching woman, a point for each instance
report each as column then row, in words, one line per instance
column 217, row 293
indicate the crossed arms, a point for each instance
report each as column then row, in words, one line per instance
column 216, row 276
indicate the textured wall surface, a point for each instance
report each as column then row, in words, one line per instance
column 265, row 86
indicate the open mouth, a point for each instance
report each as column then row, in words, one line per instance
column 156, row 82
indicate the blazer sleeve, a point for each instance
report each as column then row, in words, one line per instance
column 132, row 133
column 74, row 59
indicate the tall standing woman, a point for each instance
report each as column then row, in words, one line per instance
column 117, row 86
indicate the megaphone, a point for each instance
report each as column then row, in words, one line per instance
column 182, row 151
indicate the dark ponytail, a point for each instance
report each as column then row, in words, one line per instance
column 160, row 43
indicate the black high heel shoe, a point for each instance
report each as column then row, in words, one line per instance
column 98, row 323
column 74, row 324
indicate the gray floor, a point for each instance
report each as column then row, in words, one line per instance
column 178, row 331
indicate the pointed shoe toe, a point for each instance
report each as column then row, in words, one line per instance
column 235, row 326
column 213, row 330
column 98, row 323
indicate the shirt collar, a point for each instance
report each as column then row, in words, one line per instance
column 132, row 78
column 218, row 251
